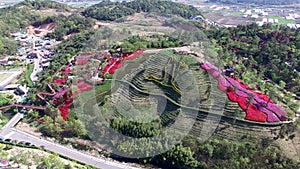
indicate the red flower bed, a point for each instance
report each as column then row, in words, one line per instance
column 107, row 66
column 66, row 71
column 254, row 114
column 40, row 121
column 257, row 108
column 60, row 81
column 119, row 63
column 64, row 111
column 133, row 55
column 116, row 66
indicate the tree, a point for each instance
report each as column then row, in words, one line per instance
column 51, row 111
column 77, row 128
column 282, row 84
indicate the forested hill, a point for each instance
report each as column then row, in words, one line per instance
column 259, row 2
column 107, row 10
column 19, row 16
column 43, row 4
column 31, row 12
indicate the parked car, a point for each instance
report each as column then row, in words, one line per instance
column 23, row 111
column 8, row 140
column 27, row 144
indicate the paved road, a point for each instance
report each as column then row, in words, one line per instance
column 68, row 152
column 10, row 124
column 9, row 132
column 33, row 76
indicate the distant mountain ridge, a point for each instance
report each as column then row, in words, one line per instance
column 260, row 2
column 110, row 11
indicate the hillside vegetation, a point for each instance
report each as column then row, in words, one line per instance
column 260, row 2
column 265, row 51
column 107, row 10
column 20, row 16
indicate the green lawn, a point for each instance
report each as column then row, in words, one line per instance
column 27, row 75
column 283, row 21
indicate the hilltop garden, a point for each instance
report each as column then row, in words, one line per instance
column 92, row 65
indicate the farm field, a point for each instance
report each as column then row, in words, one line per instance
column 7, row 77
column 282, row 20
column 4, row 76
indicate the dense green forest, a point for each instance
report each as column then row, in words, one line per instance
column 42, row 4
column 259, row 2
column 266, row 52
column 67, row 25
column 107, row 10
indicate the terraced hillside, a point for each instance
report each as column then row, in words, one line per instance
column 136, row 97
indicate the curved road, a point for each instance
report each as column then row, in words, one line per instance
column 9, row 132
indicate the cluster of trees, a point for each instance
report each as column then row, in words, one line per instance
column 107, row 10
column 42, row 4
column 17, row 17
column 228, row 154
column 55, row 126
column 7, row 46
column 214, row 153
column 14, row 18
column 136, row 42
column 5, row 99
column 270, row 53
column 66, row 50
column 67, row 25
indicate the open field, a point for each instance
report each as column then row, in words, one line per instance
column 27, row 75
column 21, row 157
column 6, row 77
column 282, row 20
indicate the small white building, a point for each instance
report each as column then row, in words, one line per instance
column 270, row 20
column 260, row 23
column 289, row 17
column 265, row 20
column 254, row 16
column 248, row 12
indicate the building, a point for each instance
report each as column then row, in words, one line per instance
column 229, row 71
column 248, row 12
column 32, row 56
column 270, row 20
column 265, row 20
column 3, row 62
column 254, row 16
